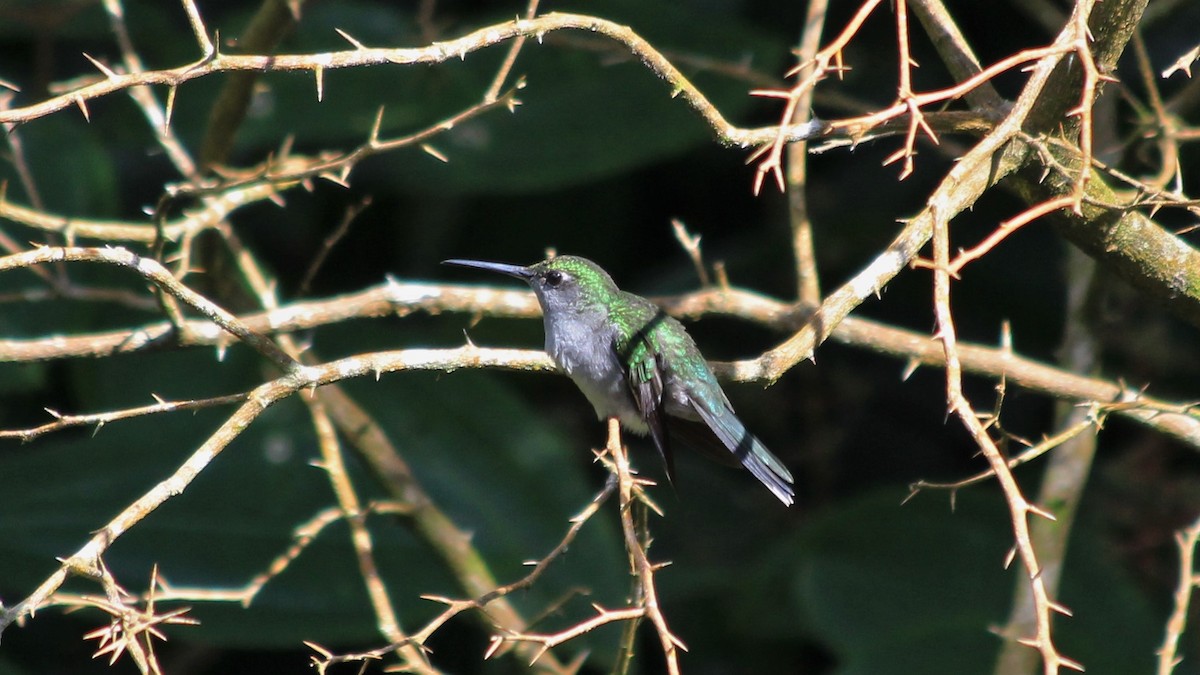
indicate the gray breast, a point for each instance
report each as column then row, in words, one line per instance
column 583, row 350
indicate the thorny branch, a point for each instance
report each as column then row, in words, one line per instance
column 1009, row 143
column 1020, row 509
column 1189, row 579
column 212, row 62
column 630, row 491
column 395, row 297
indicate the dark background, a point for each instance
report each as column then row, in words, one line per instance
column 595, row 162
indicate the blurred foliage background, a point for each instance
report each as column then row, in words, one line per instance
column 596, row 161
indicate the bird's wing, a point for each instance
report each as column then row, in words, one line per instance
column 644, row 376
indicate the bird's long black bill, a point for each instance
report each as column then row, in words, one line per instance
column 503, row 268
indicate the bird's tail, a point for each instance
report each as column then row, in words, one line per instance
column 741, row 446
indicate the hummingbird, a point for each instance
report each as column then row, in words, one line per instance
column 634, row 362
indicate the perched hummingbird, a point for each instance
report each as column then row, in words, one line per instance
column 634, row 362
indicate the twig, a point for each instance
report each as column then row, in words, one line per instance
column 1019, row 508
column 628, row 489
column 212, row 62
column 772, row 151
column 916, row 118
column 546, row 642
column 456, row 607
column 1167, row 132
column 155, row 273
column 264, row 396
column 413, row 659
column 971, row 176
column 808, row 281
column 1066, row 474
column 98, row 420
column 215, row 209
column 1188, row 580
column 510, row 57
column 691, row 246
column 303, row 535
column 955, row 52
column 130, row 630
column 1174, row 419
column 343, row 228
column 1091, row 77
column 1183, row 63
column 159, row 119
column 1006, row 228
column 1028, row 455
column 227, row 111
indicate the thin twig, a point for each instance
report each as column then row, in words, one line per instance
column 1185, row 540
column 386, row 618
column 808, row 281
column 212, row 62
column 1019, row 508
column 158, row 275
column 84, row 560
column 629, row 488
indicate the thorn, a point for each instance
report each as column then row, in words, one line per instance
column 895, row 156
column 1061, row 609
column 495, row 642
column 1037, row 510
column 1010, row 557
column 1073, row 665
column 325, row 653
column 82, row 107
column 373, row 137
column 435, row 153
column 541, row 650
column 319, row 74
column 347, row 38
column 909, row 369
column 771, row 93
column 170, row 107
column 108, row 72
column 334, row 178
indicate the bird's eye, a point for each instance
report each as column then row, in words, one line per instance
column 554, row 278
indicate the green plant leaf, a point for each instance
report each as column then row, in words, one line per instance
column 893, row 589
